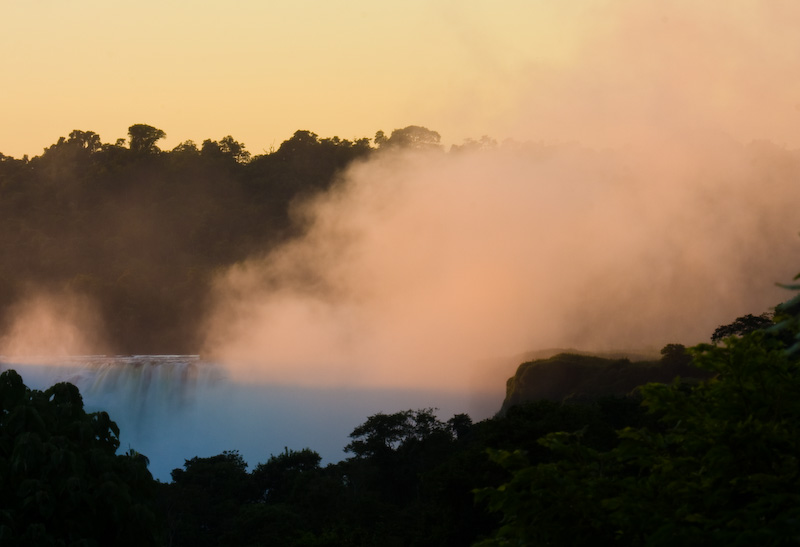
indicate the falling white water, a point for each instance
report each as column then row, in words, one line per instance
column 175, row 407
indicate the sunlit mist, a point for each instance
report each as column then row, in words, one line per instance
column 52, row 325
column 421, row 265
column 654, row 198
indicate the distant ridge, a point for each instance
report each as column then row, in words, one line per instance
column 639, row 354
column 581, row 375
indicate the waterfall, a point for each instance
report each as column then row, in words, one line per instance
column 175, row 407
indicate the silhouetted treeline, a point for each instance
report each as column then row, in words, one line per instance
column 408, row 480
column 711, row 462
column 61, row 480
column 142, row 231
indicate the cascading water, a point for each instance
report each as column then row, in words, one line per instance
column 175, row 407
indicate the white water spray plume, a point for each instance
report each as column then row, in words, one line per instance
column 51, row 326
column 656, row 200
column 420, row 265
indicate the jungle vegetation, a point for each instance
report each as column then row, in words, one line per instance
column 708, row 460
column 142, row 232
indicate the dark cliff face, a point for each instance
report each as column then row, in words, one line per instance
column 573, row 376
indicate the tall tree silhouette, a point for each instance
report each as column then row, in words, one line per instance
column 143, row 138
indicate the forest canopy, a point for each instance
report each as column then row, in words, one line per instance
column 140, row 232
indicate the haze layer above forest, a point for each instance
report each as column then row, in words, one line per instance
column 386, row 260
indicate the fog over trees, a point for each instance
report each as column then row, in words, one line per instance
column 140, row 232
column 124, row 241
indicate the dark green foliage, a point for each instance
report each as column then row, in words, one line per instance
column 676, row 360
column 719, row 467
column 61, row 481
column 384, row 434
column 743, row 325
column 289, row 500
column 573, row 376
column 409, row 481
column 205, row 497
column 460, row 425
column 280, row 478
column 675, row 353
column 787, row 319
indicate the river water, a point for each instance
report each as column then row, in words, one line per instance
column 175, row 407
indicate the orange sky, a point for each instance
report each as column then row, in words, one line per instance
column 511, row 68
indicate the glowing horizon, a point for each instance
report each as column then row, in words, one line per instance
column 589, row 71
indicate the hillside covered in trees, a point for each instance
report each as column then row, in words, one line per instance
column 141, row 231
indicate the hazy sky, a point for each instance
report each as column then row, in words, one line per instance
column 259, row 70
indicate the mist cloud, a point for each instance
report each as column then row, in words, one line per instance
column 613, row 73
column 420, row 265
column 673, row 210
column 50, row 325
